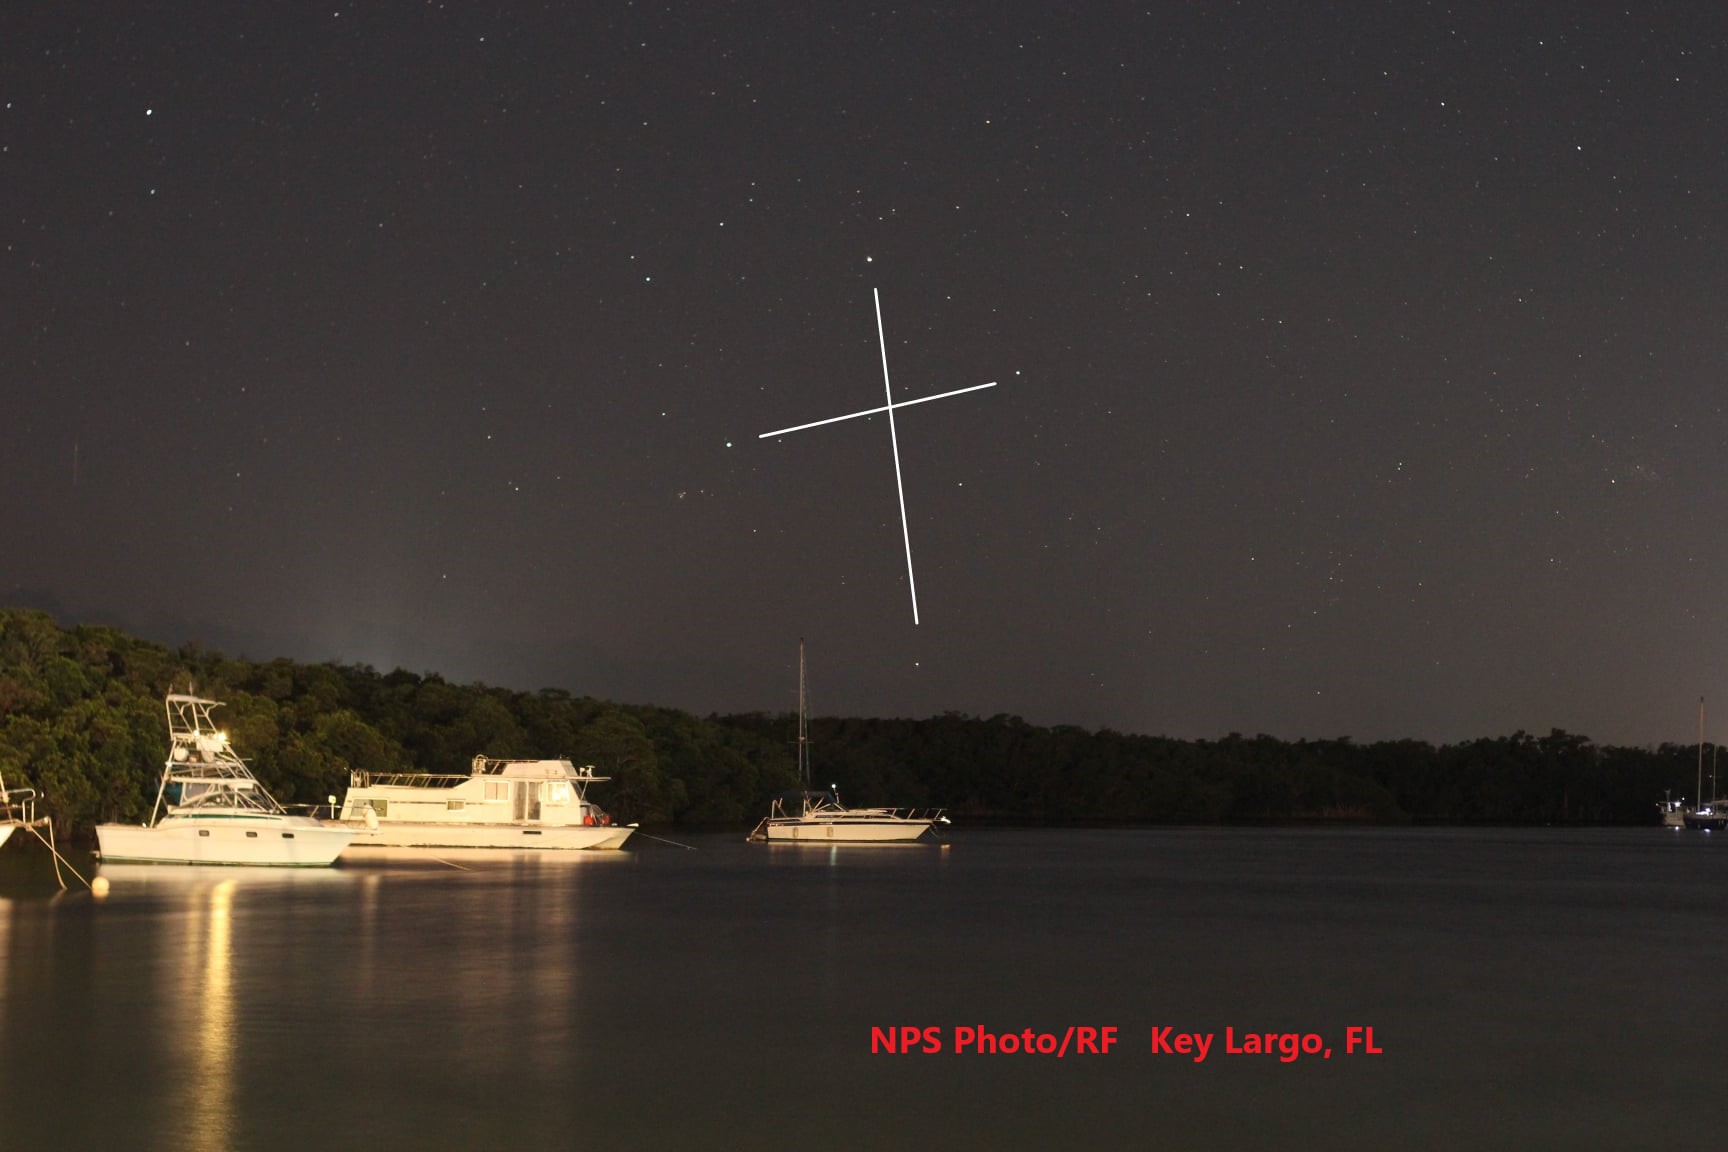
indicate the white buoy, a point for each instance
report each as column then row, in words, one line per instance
column 99, row 887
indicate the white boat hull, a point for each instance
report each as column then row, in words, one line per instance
column 570, row 838
column 272, row 841
column 6, row 832
column 886, row 830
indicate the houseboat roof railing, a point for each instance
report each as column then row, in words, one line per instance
column 364, row 779
column 483, row 766
column 490, row 766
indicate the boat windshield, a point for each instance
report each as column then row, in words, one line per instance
column 200, row 796
column 794, row 804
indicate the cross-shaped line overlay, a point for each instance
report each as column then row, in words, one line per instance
column 893, row 438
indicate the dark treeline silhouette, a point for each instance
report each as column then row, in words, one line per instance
column 81, row 720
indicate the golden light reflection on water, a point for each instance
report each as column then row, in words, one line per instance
column 209, row 1098
column 486, row 944
column 5, row 963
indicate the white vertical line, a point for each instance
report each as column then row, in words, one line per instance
column 894, row 439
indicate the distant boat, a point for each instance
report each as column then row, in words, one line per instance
column 1709, row 815
column 1674, row 812
column 499, row 804
column 210, row 809
column 811, row 817
column 817, row 817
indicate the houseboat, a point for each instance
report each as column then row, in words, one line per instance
column 499, row 804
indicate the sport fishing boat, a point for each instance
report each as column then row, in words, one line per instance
column 499, row 804
column 818, row 817
column 210, row 809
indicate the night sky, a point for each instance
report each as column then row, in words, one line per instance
column 1360, row 367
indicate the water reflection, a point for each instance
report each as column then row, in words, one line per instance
column 483, row 948
column 658, row 1002
column 310, row 997
column 209, row 943
column 5, row 964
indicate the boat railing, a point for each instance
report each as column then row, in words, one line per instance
column 17, row 805
column 896, row 813
column 359, row 779
column 490, row 766
column 316, row 811
column 827, row 804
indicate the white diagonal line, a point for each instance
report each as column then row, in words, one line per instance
column 874, row 411
column 894, row 439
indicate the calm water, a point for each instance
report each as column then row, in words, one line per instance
column 1529, row 989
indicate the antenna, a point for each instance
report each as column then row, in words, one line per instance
column 803, row 723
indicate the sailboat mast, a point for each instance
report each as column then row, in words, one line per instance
column 803, row 723
column 1699, row 801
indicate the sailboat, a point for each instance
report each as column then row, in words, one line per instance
column 210, row 809
column 817, row 817
column 1710, row 815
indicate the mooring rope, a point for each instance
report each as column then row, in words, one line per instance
column 48, row 842
column 662, row 840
